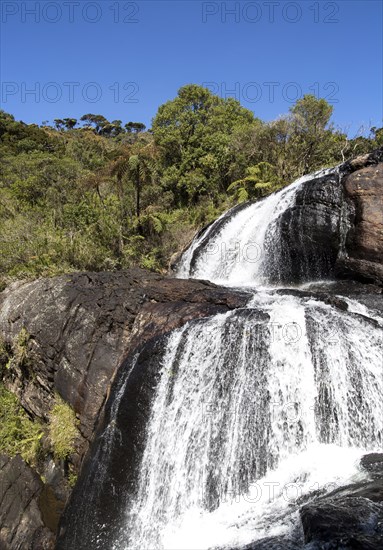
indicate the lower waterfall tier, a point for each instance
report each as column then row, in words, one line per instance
column 283, row 394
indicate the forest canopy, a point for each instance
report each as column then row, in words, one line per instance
column 93, row 194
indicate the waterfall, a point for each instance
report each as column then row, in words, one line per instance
column 239, row 418
column 240, row 248
column 248, row 401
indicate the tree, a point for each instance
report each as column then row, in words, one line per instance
column 260, row 181
column 377, row 136
column 70, row 123
column 311, row 115
column 117, row 127
column 136, row 165
column 98, row 121
column 133, row 167
column 59, row 123
column 135, row 127
column 310, row 131
column 294, row 144
column 193, row 132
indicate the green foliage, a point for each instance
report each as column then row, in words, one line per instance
column 94, row 194
column 20, row 347
column 311, row 115
column 5, row 354
column 259, row 181
column 18, row 433
column 18, row 354
column 72, row 477
column 193, row 132
column 62, row 429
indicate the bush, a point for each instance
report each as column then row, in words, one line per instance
column 20, row 348
column 5, row 353
column 18, row 433
column 62, row 429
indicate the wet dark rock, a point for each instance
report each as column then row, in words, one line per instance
column 116, row 477
column 349, row 517
column 21, row 521
column 373, row 464
column 275, row 543
column 80, row 325
column 369, row 295
column 334, row 294
column 326, row 297
column 309, row 233
column 335, row 227
column 343, row 522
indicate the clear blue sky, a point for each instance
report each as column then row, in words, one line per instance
column 124, row 59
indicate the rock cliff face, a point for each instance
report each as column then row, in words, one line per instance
column 310, row 233
column 80, row 327
column 335, row 227
column 364, row 244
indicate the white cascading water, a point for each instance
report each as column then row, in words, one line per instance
column 236, row 253
column 255, row 410
column 252, row 412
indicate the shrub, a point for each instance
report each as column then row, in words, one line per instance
column 4, row 353
column 20, row 347
column 62, row 429
column 18, row 433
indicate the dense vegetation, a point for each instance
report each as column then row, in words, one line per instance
column 18, row 433
column 31, row 438
column 100, row 195
column 21, row 434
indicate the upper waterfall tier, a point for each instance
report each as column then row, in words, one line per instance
column 246, row 245
column 322, row 226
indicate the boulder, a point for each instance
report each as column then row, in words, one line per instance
column 350, row 517
column 373, row 464
column 347, row 524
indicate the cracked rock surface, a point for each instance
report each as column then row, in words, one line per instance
column 80, row 327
